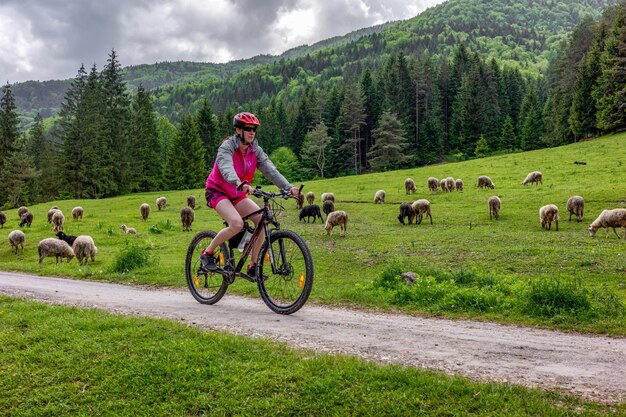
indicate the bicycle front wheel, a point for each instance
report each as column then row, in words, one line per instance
column 286, row 289
column 206, row 287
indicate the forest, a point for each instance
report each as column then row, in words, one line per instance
column 465, row 79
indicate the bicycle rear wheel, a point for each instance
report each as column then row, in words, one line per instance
column 287, row 290
column 206, row 287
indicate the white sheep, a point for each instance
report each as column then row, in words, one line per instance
column 161, row 202
column 433, row 184
column 310, row 197
column 379, row 197
column 51, row 213
column 16, row 239
column 409, row 185
column 58, row 220
column 576, row 206
column 187, row 216
column 144, row 209
column 328, row 196
column 485, row 182
column 494, row 204
column 459, row 184
column 54, row 247
column 337, row 218
column 128, row 230
column 421, row 207
column 609, row 218
column 534, row 177
column 84, row 248
column 450, row 184
column 77, row 213
column 548, row 214
column 191, row 201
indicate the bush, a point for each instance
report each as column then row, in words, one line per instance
column 133, row 256
column 551, row 297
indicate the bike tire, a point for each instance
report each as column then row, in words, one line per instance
column 285, row 292
column 210, row 287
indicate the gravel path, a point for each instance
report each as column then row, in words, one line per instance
column 593, row 367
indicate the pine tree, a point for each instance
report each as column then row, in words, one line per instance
column 482, row 147
column 206, row 122
column 352, row 119
column 19, row 176
column 430, row 128
column 185, row 165
column 147, row 150
column 315, row 148
column 37, row 142
column 371, row 105
column 531, row 124
column 389, row 150
column 167, row 133
column 9, row 135
column 508, row 141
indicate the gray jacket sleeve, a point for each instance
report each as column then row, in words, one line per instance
column 269, row 169
column 224, row 159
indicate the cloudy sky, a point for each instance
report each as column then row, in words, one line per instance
column 49, row 39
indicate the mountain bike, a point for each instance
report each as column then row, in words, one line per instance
column 284, row 267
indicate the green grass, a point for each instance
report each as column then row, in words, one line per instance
column 513, row 250
column 61, row 361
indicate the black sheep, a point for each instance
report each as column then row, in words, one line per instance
column 311, row 211
column 69, row 239
column 3, row 219
column 328, row 207
column 26, row 219
column 406, row 211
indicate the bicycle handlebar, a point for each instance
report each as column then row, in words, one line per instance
column 258, row 192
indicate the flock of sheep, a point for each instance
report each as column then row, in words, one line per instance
column 333, row 217
column 82, row 247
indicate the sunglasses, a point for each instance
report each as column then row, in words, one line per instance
column 249, row 129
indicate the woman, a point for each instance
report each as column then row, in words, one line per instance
column 237, row 159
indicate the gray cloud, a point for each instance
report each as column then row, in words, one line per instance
column 50, row 39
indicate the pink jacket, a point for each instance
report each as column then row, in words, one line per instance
column 232, row 167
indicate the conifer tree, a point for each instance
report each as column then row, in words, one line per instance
column 206, row 122
column 430, row 129
column 390, row 143
column 531, row 124
column 482, row 147
column 371, row 105
column 185, row 165
column 9, row 135
column 352, row 120
column 19, row 176
column 166, row 132
column 37, row 143
column 508, row 141
column 147, row 150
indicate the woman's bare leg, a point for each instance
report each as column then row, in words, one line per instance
column 231, row 216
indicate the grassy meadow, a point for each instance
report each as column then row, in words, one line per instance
column 509, row 270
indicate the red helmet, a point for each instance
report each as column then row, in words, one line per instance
column 245, row 118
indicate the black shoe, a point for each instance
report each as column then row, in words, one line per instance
column 252, row 273
column 207, row 262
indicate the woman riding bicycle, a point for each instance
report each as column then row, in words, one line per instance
column 237, row 159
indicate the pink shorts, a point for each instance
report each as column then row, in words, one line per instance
column 214, row 196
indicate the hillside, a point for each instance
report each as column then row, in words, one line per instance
column 523, row 34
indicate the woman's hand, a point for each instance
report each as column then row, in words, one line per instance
column 247, row 188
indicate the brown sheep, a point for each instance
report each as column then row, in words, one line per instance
column 547, row 215
column 21, row 211
column 310, row 198
column 328, row 196
column 379, row 197
column 144, row 209
column 58, row 220
column 576, row 206
column 421, row 207
column 433, row 184
column 609, row 218
column 187, row 216
column 409, row 186
column 3, row 219
column 494, row 204
column 299, row 201
column 534, row 177
column 459, row 184
column 26, row 219
column 16, row 239
column 485, row 182
column 191, row 202
column 161, row 202
column 77, row 213
column 337, row 218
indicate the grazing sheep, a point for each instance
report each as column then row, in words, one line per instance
column 485, row 182
column 494, row 204
column 58, row 220
column 26, row 219
column 450, row 184
column 3, row 219
column 310, row 198
column 145, row 211
column 409, row 185
column 77, row 213
column 406, row 211
column 191, row 202
column 54, row 247
column 84, row 248
column 187, row 215
column 311, row 211
column 421, row 207
column 459, row 184
column 534, row 177
column 51, row 213
column 128, row 230
column 328, row 207
column 547, row 215
column 379, row 197
column 576, row 206
column 337, row 218
column 16, row 239
column 21, row 211
column 609, row 218
column 433, row 184
column 68, row 238
column 299, row 201
column 161, row 202
column 328, row 196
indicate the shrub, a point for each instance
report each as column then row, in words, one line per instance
column 132, row 256
column 551, row 297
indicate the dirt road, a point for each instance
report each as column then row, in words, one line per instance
column 593, row 367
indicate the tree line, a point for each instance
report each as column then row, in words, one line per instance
column 412, row 111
